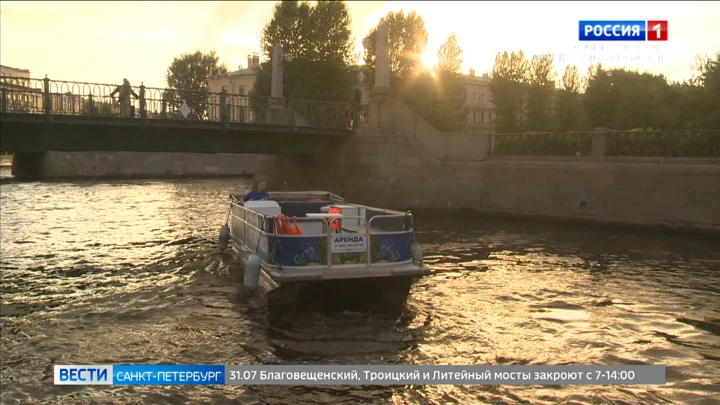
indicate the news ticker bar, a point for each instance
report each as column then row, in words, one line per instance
column 158, row 374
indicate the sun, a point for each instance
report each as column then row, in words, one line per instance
column 428, row 59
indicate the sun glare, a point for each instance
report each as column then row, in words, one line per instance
column 428, row 59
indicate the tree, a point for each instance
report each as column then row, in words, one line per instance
column 541, row 81
column 591, row 72
column 570, row 80
column 449, row 55
column 319, row 40
column 332, row 20
column 408, row 39
column 422, row 97
column 708, row 78
column 290, row 28
column 568, row 110
column 622, row 99
column 98, row 108
column 187, row 78
column 451, row 93
column 509, row 75
column 438, row 99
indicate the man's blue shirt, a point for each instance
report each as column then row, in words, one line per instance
column 256, row 195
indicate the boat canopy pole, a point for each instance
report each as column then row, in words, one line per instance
column 262, row 225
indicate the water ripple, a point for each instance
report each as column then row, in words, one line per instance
column 127, row 272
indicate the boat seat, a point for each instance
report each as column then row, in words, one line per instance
column 269, row 208
column 302, row 208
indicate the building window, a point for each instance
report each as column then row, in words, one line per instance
column 483, row 97
column 242, row 90
column 475, row 97
column 474, row 120
column 490, row 118
column 482, row 117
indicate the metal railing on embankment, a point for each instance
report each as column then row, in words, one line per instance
column 58, row 97
column 605, row 143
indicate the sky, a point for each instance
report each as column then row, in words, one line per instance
column 104, row 42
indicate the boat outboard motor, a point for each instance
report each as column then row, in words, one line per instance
column 252, row 272
column 224, row 237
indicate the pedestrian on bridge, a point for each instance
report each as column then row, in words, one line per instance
column 125, row 91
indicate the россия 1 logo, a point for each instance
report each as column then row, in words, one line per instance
column 636, row 30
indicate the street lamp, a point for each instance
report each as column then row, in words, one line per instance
column 288, row 57
column 366, row 43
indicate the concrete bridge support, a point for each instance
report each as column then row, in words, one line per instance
column 49, row 165
column 29, row 165
column 297, row 173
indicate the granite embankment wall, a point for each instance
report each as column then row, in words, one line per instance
column 416, row 167
column 139, row 164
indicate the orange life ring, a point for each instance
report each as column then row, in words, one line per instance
column 334, row 221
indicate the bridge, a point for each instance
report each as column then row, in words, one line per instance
column 40, row 115
column 658, row 178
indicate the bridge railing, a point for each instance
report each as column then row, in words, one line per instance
column 55, row 97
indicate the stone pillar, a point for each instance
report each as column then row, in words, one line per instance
column 381, row 90
column 379, row 114
column 275, row 115
column 599, row 143
column 276, row 83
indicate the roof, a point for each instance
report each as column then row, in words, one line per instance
column 483, row 79
column 13, row 68
column 241, row 72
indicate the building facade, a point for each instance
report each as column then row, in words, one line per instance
column 479, row 102
column 19, row 93
column 238, row 83
column 24, row 94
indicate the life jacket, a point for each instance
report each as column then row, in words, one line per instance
column 280, row 228
column 293, row 229
column 284, row 227
column 334, row 225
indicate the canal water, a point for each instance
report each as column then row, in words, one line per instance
column 128, row 272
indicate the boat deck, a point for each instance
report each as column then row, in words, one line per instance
column 299, row 238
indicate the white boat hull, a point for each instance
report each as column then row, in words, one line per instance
column 362, row 261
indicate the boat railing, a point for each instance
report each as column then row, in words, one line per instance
column 407, row 226
column 263, row 224
column 305, row 195
column 325, row 227
column 385, row 211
